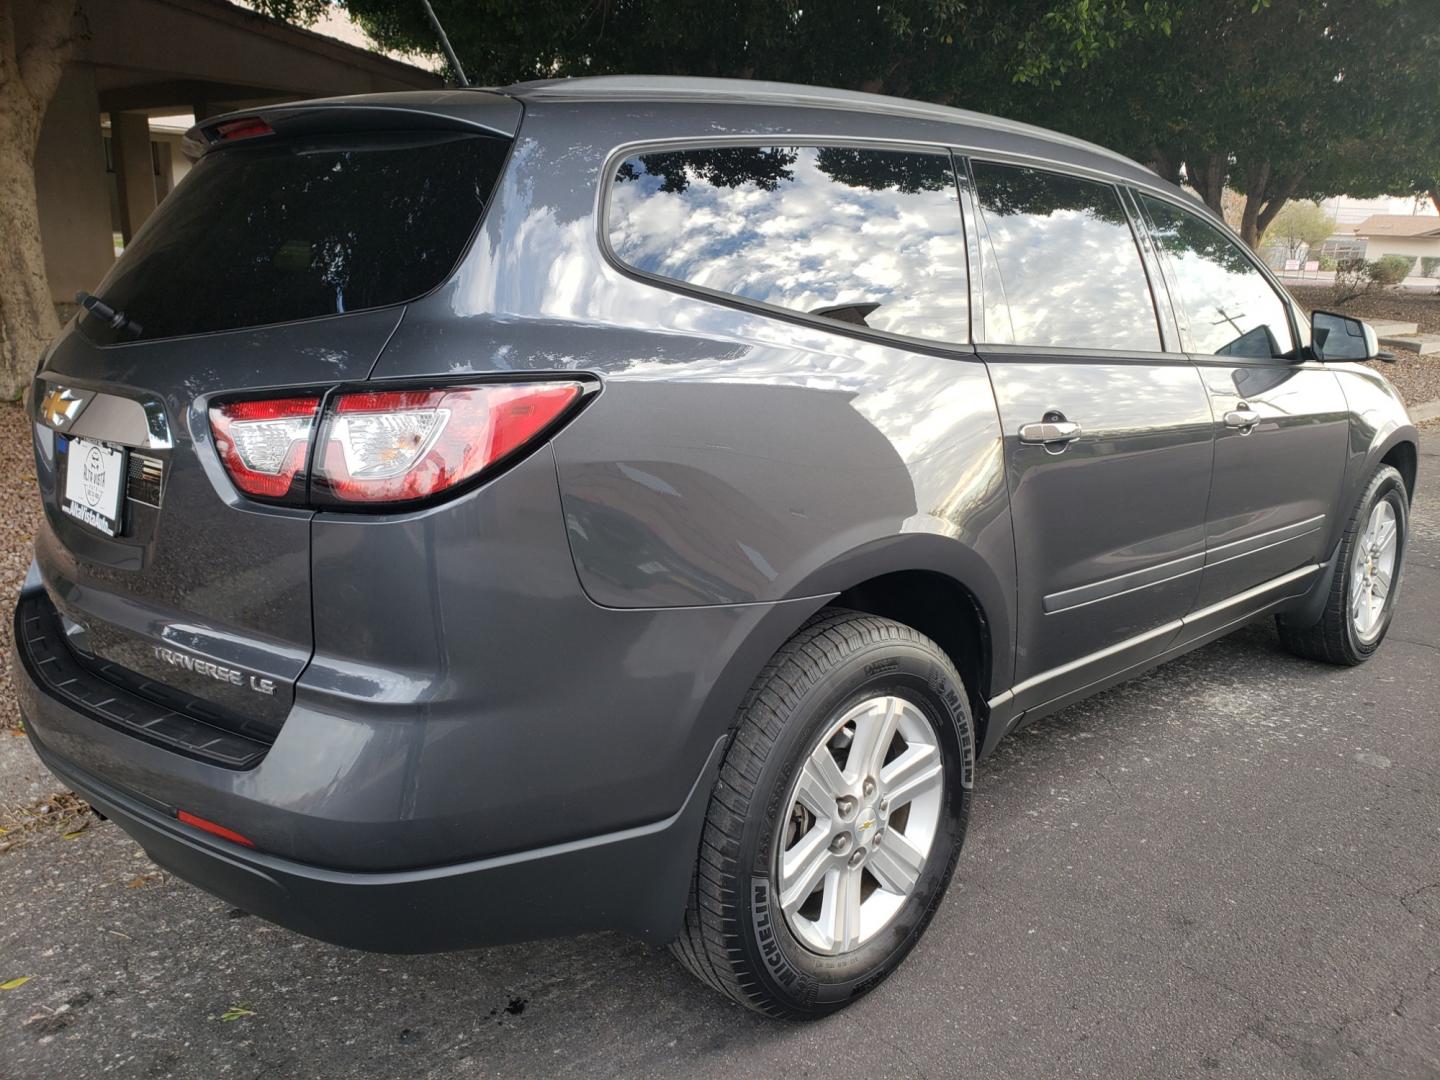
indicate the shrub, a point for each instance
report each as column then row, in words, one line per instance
column 1351, row 279
column 1390, row 269
column 1327, row 262
column 1430, row 266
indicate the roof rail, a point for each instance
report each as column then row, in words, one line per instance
column 686, row 88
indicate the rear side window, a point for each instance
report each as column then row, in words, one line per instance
column 287, row 229
column 1226, row 307
column 867, row 237
column 1069, row 266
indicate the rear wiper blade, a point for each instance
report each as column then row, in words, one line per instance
column 118, row 320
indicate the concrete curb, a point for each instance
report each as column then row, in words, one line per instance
column 1428, row 410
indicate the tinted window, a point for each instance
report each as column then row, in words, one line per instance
column 1068, row 262
column 284, row 230
column 869, row 237
column 1226, row 306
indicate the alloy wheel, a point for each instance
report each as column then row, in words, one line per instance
column 859, row 823
column 1373, row 571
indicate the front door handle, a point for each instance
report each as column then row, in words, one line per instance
column 1242, row 417
column 1050, row 431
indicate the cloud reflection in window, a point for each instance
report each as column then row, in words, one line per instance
column 867, row 237
column 1071, row 271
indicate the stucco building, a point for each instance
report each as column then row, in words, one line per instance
column 1414, row 236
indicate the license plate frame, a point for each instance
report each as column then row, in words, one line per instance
column 94, row 493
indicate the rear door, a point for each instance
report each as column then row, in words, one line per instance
column 1281, row 423
column 1107, row 434
column 277, row 268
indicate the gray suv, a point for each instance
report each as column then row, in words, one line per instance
column 637, row 504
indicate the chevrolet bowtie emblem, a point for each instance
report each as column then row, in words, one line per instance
column 60, row 406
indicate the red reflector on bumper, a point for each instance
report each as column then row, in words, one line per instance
column 187, row 818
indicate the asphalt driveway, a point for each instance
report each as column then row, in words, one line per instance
column 1228, row 868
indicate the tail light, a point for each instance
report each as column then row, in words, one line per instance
column 385, row 447
column 264, row 443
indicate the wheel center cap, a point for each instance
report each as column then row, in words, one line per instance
column 865, row 825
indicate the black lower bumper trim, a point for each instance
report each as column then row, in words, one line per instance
column 47, row 657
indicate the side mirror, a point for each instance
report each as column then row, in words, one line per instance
column 1339, row 337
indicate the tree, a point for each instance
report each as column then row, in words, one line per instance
column 933, row 50
column 1277, row 98
column 1300, row 226
column 31, row 62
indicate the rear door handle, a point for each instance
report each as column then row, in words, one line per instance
column 1242, row 417
column 1050, row 431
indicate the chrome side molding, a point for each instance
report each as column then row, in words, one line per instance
column 1173, row 627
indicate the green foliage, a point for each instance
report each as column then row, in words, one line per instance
column 1280, row 99
column 1327, row 262
column 1300, row 225
column 1430, row 266
column 1390, row 269
column 958, row 51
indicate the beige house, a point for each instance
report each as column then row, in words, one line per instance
column 101, row 166
column 1415, row 236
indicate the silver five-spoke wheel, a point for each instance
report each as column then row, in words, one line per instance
column 862, row 815
column 1373, row 571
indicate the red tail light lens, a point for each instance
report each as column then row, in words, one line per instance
column 392, row 446
column 264, row 443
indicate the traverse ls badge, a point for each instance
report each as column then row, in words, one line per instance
column 234, row 676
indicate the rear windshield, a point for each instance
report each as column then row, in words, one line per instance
column 290, row 229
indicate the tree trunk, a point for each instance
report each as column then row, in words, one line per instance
column 1435, row 197
column 27, row 314
column 1165, row 163
column 29, row 76
column 1206, row 173
column 1265, row 196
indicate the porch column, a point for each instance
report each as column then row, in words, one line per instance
column 134, row 170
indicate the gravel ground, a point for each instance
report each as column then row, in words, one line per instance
column 1416, row 378
column 1423, row 309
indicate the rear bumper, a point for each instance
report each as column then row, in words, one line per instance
column 633, row 881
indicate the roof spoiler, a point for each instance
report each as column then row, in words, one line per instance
column 480, row 111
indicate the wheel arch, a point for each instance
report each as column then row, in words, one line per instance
column 945, row 611
column 917, row 579
column 1403, row 454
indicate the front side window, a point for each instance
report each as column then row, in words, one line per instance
column 867, row 237
column 1225, row 305
column 1068, row 263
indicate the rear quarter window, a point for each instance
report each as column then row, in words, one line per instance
column 290, row 229
column 872, row 238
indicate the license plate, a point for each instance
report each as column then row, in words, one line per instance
column 94, row 484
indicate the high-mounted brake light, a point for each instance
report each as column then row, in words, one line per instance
column 377, row 447
column 264, row 443
column 247, row 127
column 401, row 445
